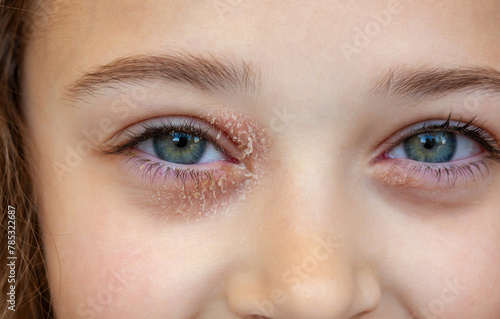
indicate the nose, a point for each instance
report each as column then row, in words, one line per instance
column 309, row 278
column 304, row 263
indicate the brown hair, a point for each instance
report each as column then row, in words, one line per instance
column 31, row 287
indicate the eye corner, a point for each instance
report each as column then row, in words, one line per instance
column 385, row 155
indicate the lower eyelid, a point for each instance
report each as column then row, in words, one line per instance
column 140, row 160
column 176, row 189
column 411, row 174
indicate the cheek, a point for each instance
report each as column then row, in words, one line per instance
column 478, row 262
column 85, row 248
column 471, row 289
column 455, row 274
column 127, row 265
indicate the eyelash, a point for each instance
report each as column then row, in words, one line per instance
column 154, row 167
column 149, row 131
column 470, row 129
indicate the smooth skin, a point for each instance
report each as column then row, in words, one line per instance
column 322, row 231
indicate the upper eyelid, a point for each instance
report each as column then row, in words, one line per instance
column 440, row 125
column 484, row 136
column 149, row 131
column 136, row 130
column 135, row 133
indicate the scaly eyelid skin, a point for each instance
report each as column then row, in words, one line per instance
column 197, row 190
column 174, row 190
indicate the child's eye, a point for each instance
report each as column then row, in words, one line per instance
column 436, row 147
column 182, row 148
column 179, row 140
column 426, row 153
column 190, row 166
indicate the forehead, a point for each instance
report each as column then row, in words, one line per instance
column 316, row 37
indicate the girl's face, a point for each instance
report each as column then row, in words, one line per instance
column 268, row 159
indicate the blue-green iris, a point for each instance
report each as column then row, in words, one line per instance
column 431, row 147
column 179, row 147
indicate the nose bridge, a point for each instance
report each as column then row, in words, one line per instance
column 311, row 270
column 309, row 267
column 309, row 239
column 314, row 272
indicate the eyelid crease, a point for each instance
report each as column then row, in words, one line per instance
column 188, row 125
column 468, row 129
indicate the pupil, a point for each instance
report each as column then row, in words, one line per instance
column 429, row 143
column 180, row 141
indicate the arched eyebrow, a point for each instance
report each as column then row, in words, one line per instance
column 211, row 73
column 424, row 82
column 208, row 74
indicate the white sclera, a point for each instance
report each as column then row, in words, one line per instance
column 210, row 155
column 466, row 148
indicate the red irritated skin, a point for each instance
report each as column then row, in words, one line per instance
column 195, row 191
column 267, row 159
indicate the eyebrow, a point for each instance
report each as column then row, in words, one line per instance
column 208, row 74
column 421, row 81
column 211, row 73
